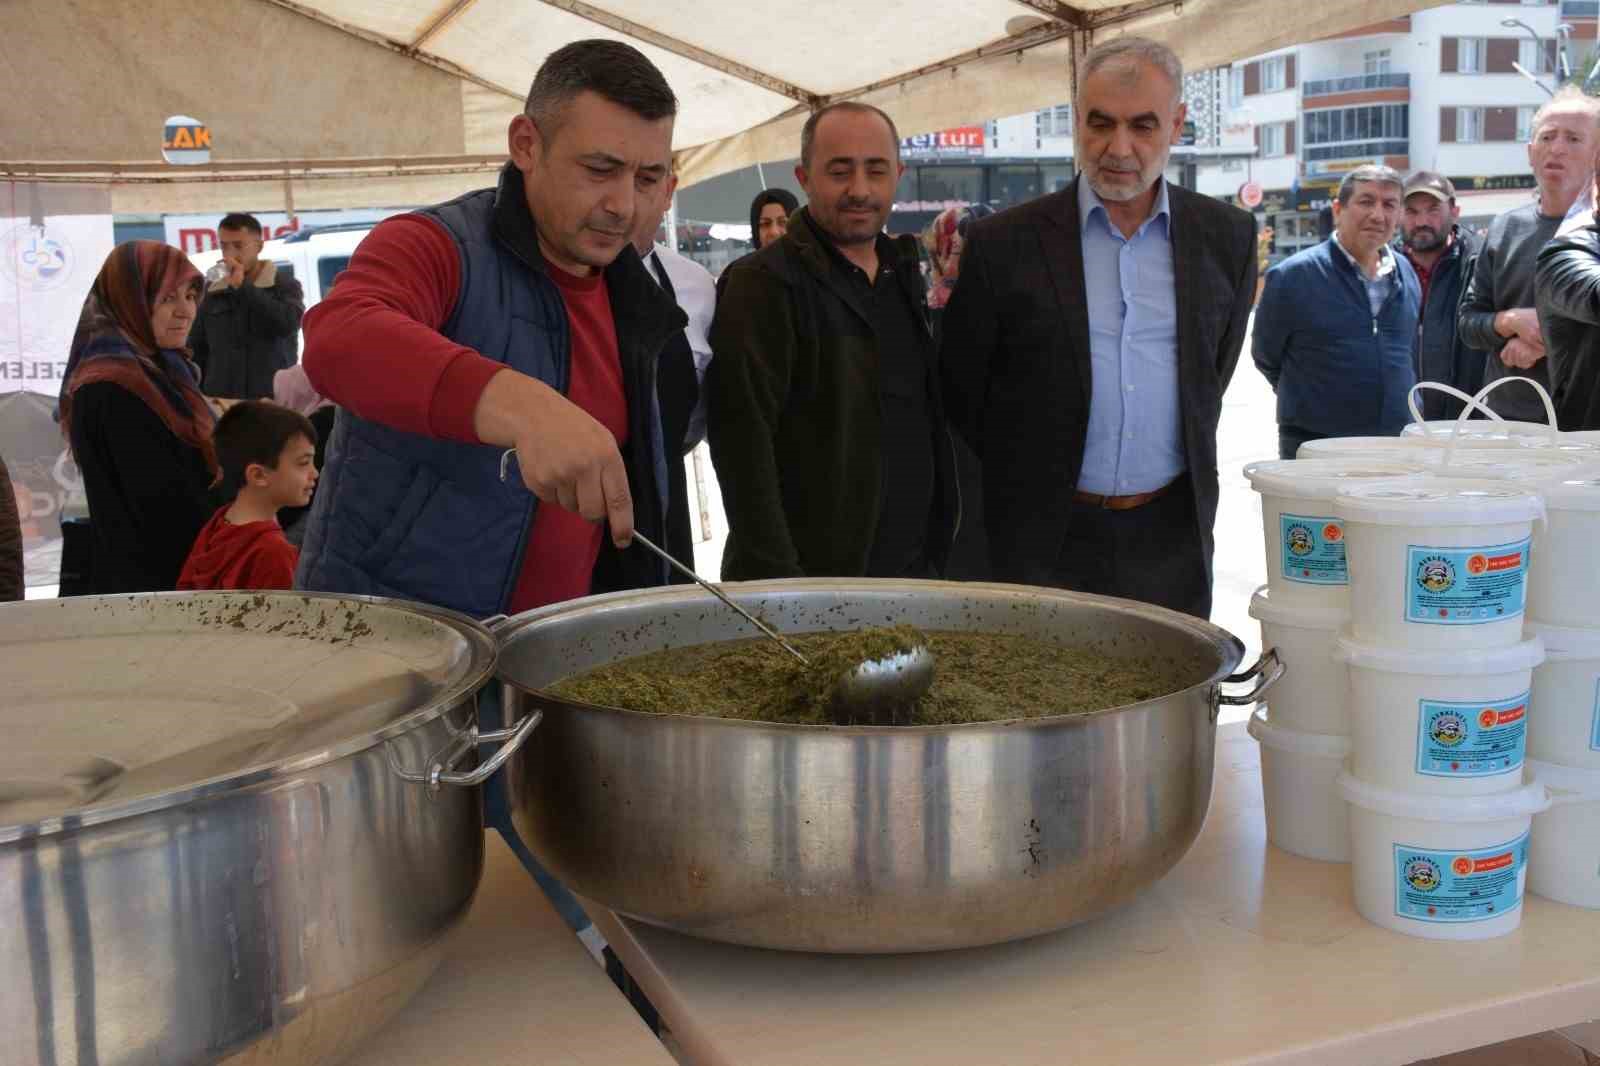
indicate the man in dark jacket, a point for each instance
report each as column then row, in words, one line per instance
column 1567, row 294
column 823, row 407
column 1498, row 316
column 249, row 321
column 1336, row 325
column 1442, row 256
column 1087, row 346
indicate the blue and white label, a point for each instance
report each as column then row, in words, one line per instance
column 1594, row 729
column 1472, row 739
column 1459, row 886
column 1466, row 586
column 1313, row 550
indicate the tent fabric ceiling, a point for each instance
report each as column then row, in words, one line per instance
column 331, row 92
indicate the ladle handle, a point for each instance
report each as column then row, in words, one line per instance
column 709, row 587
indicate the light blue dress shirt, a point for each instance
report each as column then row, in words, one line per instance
column 1135, row 441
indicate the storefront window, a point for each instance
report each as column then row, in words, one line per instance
column 1014, row 185
column 962, row 184
column 1056, row 178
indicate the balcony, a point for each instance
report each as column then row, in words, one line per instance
column 1580, row 9
column 1375, row 149
column 1359, row 83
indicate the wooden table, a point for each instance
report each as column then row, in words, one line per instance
column 516, row 987
column 1242, row 954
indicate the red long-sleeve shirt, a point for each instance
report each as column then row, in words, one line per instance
column 373, row 346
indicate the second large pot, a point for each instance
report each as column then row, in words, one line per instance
column 861, row 839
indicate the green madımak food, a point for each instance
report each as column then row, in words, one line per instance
column 978, row 677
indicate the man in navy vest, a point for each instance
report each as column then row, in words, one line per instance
column 516, row 318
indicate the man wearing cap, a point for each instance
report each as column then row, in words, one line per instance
column 1443, row 257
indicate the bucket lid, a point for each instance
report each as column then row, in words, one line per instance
column 1278, row 738
column 1330, row 447
column 1580, row 492
column 1436, row 663
column 1566, row 643
column 1312, row 616
column 1434, row 501
column 1504, row 464
column 1574, row 779
column 1442, row 430
column 1320, row 479
column 1522, row 802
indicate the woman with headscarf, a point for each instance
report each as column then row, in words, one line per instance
column 769, row 215
column 133, row 415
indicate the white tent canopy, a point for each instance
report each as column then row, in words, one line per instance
column 325, row 103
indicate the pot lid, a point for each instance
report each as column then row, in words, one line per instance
column 1321, row 479
column 1439, row 501
column 119, row 705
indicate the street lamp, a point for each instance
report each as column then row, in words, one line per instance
column 1538, row 45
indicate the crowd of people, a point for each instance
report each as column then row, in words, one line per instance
column 500, row 390
column 1345, row 329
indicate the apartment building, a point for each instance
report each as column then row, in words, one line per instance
column 1439, row 90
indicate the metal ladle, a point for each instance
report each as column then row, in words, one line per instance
column 867, row 694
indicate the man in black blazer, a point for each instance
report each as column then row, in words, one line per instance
column 1087, row 347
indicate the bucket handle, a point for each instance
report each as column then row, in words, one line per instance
column 1552, row 431
column 1269, row 668
column 1471, row 402
column 441, row 770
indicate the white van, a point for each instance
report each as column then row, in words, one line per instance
column 314, row 256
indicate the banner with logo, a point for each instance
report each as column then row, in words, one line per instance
column 53, row 241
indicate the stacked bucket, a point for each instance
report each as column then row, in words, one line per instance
column 1440, row 674
column 1305, row 731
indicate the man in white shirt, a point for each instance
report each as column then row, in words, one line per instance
column 684, row 360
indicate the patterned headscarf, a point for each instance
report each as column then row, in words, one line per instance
column 115, row 342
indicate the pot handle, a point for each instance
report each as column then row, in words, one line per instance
column 441, row 772
column 1269, row 668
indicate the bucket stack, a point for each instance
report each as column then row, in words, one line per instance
column 1305, row 732
column 1564, row 750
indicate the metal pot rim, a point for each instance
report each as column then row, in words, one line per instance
column 1230, row 650
column 485, row 653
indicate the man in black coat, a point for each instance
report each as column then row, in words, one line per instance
column 1443, row 256
column 1087, row 347
column 249, row 323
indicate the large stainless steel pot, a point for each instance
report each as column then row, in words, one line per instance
column 225, row 828
column 862, row 839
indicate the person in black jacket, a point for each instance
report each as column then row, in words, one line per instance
column 1087, row 345
column 11, row 579
column 1567, row 297
column 139, row 429
column 1443, row 256
column 250, row 319
column 822, row 403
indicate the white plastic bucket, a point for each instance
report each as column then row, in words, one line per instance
column 1441, row 867
column 1515, row 464
column 1312, row 694
column 1339, row 447
column 1564, row 850
column 1564, row 586
column 1438, row 562
column 1305, row 813
column 1440, row 723
column 1566, row 689
column 1305, row 542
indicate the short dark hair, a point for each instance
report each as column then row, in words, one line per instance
column 256, row 432
column 616, row 71
column 1373, row 172
column 240, row 220
column 809, row 132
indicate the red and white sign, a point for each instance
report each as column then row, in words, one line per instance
column 1250, row 195
column 963, row 140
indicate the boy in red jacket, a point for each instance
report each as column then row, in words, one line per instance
column 266, row 451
